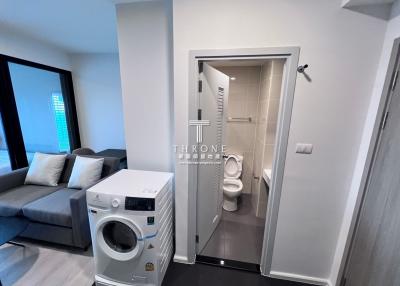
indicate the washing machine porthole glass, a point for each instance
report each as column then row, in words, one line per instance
column 119, row 236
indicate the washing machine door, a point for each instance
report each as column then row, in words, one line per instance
column 119, row 238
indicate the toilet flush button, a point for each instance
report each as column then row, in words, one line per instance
column 304, row 148
column 115, row 203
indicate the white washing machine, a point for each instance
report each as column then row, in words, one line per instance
column 130, row 216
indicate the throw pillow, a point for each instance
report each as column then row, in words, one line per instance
column 45, row 169
column 86, row 172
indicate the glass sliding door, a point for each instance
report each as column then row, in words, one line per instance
column 5, row 163
column 41, row 109
column 38, row 111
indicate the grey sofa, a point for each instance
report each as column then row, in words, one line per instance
column 55, row 214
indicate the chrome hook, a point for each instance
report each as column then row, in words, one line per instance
column 301, row 69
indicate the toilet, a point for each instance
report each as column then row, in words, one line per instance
column 232, row 184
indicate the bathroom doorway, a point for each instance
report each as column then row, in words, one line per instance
column 244, row 105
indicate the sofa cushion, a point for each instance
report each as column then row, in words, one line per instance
column 110, row 166
column 45, row 169
column 12, row 200
column 53, row 209
column 86, row 172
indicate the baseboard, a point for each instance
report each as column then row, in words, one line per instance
column 300, row 278
column 182, row 259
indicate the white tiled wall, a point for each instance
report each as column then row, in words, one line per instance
column 270, row 91
column 243, row 102
column 254, row 93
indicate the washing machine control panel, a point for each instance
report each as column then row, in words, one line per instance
column 139, row 204
column 115, row 203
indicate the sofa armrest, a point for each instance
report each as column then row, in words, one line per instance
column 80, row 219
column 13, row 179
column 78, row 198
column 78, row 201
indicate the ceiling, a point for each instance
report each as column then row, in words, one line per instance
column 79, row 26
column 75, row 26
column 381, row 9
column 368, row 2
column 237, row 63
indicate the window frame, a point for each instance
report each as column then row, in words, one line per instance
column 9, row 112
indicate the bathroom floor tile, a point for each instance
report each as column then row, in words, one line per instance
column 206, row 275
column 239, row 235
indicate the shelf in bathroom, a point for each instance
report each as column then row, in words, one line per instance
column 267, row 176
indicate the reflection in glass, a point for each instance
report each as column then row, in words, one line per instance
column 41, row 109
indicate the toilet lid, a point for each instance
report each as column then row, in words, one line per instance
column 233, row 168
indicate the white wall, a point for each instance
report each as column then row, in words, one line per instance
column 14, row 44
column 97, row 86
column 144, row 50
column 268, row 111
column 342, row 49
column 392, row 33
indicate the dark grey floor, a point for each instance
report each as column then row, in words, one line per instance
column 205, row 275
column 239, row 235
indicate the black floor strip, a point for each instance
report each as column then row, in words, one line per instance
column 226, row 263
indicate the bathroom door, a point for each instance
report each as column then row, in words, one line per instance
column 212, row 104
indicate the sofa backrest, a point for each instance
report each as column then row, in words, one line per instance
column 110, row 166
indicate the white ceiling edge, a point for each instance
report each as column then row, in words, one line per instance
column 381, row 9
column 351, row 3
column 131, row 1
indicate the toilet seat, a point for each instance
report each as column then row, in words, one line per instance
column 232, row 186
column 233, row 166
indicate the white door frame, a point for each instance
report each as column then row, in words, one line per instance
column 291, row 54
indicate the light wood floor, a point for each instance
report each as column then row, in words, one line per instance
column 45, row 265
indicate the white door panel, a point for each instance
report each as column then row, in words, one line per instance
column 213, row 105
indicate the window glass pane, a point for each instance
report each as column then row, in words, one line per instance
column 41, row 109
column 5, row 165
column 61, row 121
